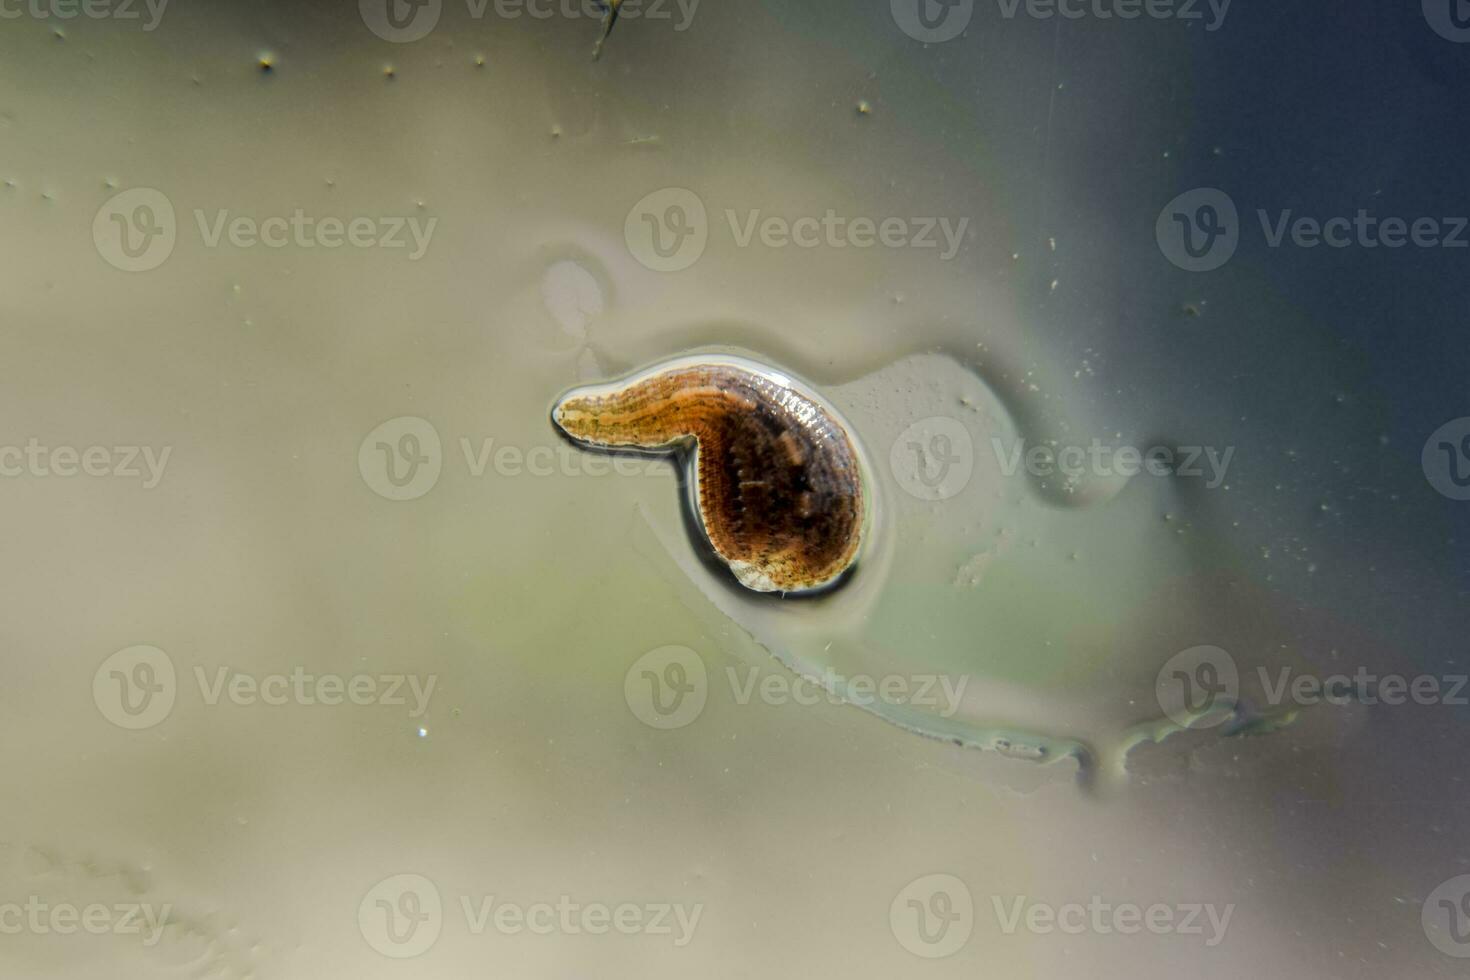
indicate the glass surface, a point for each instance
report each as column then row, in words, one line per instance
column 328, row 656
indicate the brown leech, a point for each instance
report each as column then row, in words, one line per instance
column 777, row 480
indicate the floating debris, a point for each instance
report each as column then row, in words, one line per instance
column 608, row 20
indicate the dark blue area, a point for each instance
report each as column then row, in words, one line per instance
column 1327, row 109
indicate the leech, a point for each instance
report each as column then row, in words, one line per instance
column 778, row 486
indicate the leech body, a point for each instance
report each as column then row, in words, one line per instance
column 777, row 479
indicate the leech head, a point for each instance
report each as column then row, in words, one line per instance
column 778, row 486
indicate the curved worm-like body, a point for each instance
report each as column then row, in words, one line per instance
column 778, row 485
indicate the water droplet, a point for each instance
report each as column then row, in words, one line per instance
column 572, row 296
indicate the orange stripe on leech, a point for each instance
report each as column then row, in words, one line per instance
column 652, row 416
